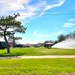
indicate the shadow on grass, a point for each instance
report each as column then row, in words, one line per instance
column 12, row 54
column 36, row 52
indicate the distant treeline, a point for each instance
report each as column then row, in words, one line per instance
column 63, row 37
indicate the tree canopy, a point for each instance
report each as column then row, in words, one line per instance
column 8, row 25
column 61, row 38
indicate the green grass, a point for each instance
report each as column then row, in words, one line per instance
column 36, row 51
column 37, row 67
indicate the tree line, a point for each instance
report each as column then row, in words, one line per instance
column 62, row 37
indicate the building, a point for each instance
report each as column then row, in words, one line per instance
column 48, row 45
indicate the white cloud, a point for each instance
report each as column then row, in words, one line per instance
column 13, row 5
column 70, row 23
column 47, row 7
column 24, row 15
column 59, row 32
column 38, row 35
column 26, row 9
column 72, row 19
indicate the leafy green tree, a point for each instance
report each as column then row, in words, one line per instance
column 7, row 23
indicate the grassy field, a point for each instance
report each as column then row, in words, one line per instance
column 37, row 51
column 37, row 67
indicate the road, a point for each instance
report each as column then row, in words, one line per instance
column 38, row 57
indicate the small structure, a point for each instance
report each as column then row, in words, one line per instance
column 48, row 45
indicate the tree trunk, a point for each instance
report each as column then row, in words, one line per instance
column 8, row 49
column 13, row 40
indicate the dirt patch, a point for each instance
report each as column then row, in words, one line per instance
column 68, row 73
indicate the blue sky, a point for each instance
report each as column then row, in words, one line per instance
column 44, row 19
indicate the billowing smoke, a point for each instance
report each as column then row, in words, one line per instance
column 68, row 43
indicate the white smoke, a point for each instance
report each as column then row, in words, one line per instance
column 68, row 43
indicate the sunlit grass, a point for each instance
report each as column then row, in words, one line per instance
column 36, row 51
column 37, row 67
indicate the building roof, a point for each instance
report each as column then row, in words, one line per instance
column 49, row 43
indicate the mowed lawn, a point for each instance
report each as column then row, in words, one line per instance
column 32, row 51
column 37, row 66
column 55, row 66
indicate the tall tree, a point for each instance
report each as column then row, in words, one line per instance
column 10, row 23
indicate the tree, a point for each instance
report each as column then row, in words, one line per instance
column 71, row 35
column 61, row 38
column 10, row 23
column 12, row 38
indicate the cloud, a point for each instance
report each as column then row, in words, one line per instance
column 47, row 7
column 70, row 23
column 27, row 8
column 25, row 15
column 38, row 35
column 13, row 5
column 72, row 20
column 59, row 32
